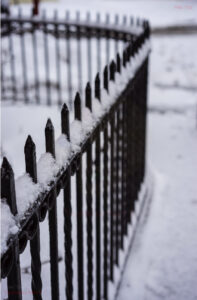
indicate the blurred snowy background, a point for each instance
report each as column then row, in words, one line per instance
column 163, row 260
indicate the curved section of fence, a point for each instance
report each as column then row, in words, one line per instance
column 38, row 65
column 109, row 133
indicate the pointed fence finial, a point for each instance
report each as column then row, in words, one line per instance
column 50, row 138
column 118, row 63
column 65, row 126
column 88, row 96
column 97, row 87
column 30, row 158
column 8, row 185
column 105, row 79
column 77, row 105
column 112, row 70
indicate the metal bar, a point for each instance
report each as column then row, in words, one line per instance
column 98, row 46
column 89, row 53
column 89, row 206
column 112, row 127
column 79, row 61
column 31, row 169
column 12, row 65
column 123, row 162
column 46, row 57
column 69, row 61
column 124, row 32
column 58, row 71
column 116, row 35
column 79, row 210
column 112, row 69
column 50, row 147
column 98, row 199
column 117, row 186
column 8, row 192
column 67, row 213
column 24, row 64
column 35, row 57
column 105, row 210
column 107, row 41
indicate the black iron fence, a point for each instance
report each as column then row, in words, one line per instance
column 48, row 60
column 114, row 156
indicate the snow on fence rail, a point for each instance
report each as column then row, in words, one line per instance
column 113, row 123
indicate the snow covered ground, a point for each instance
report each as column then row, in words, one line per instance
column 163, row 260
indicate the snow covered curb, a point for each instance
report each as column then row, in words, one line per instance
column 27, row 192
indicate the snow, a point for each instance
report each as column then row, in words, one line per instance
column 26, row 193
column 8, row 225
column 62, row 150
column 163, row 260
column 47, row 170
column 160, row 13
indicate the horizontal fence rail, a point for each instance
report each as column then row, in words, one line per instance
column 108, row 165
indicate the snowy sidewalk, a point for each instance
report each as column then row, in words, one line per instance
column 163, row 260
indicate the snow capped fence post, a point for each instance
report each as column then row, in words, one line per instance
column 31, row 169
column 65, row 126
column 8, row 193
column 77, row 109
column 98, row 198
column 50, row 147
column 105, row 198
column 88, row 99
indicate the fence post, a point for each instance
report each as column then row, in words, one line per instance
column 88, row 98
column 112, row 182
column 50, row 147
column 8, row 192
column 31, row 169
column 77, row 109
column 65, row 126
column 98, row 199
column 105, row 199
